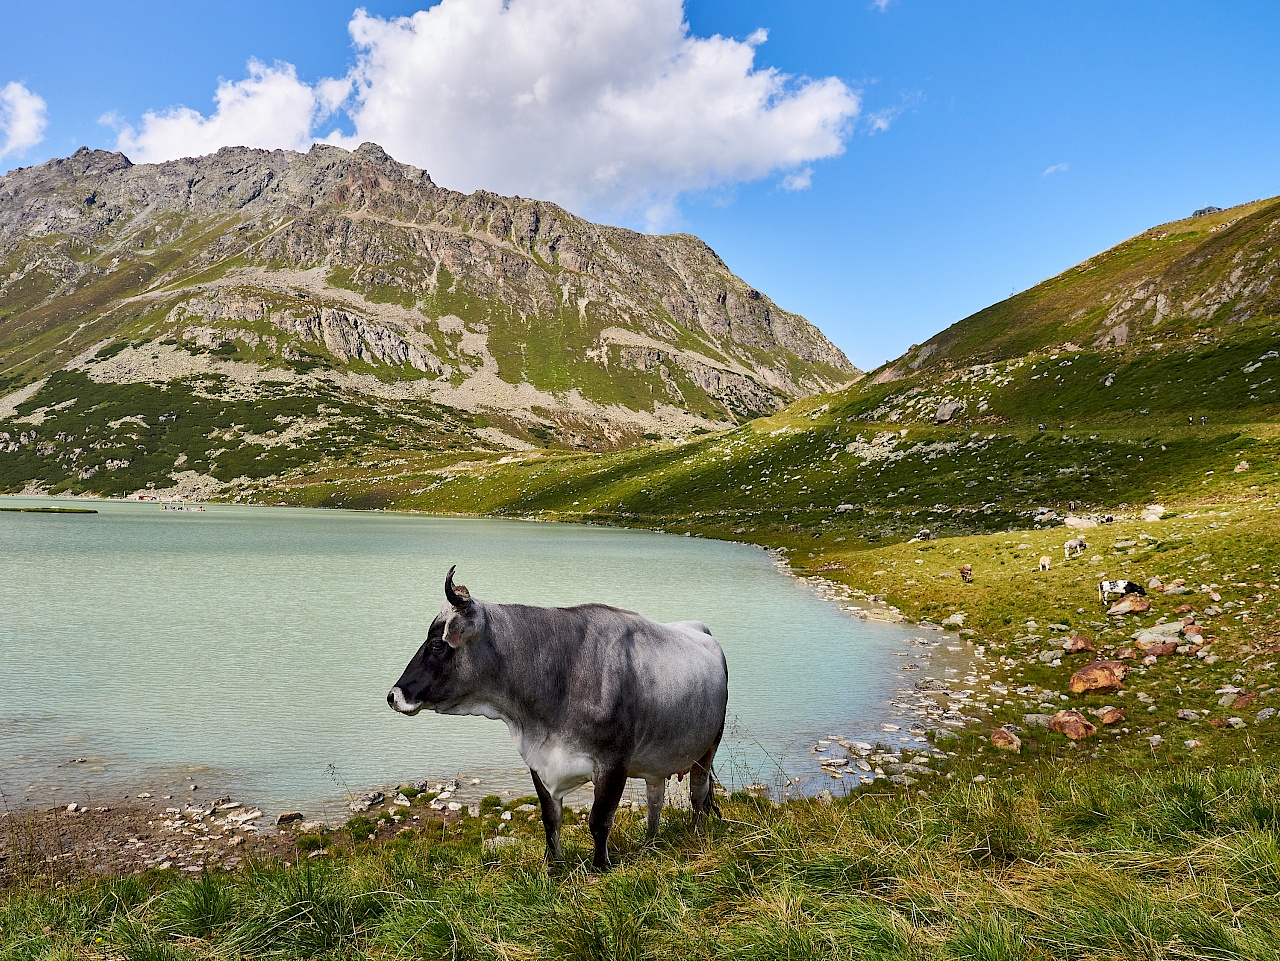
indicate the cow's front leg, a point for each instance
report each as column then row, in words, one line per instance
column 610, row 783
column 552, row 817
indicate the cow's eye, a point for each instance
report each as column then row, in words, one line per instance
column 437, row 647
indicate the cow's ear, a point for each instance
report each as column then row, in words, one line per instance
column 460, row 627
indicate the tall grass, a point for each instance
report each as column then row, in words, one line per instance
column 1065, row 863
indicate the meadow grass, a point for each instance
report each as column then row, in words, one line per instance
column 1071, row 860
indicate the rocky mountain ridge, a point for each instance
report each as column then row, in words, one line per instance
column 251, row 275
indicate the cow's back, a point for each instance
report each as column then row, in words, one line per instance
column 613, row 680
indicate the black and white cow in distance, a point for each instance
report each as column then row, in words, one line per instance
column 589, row 693
column 1110, row 588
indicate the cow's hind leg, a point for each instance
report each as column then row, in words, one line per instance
column 610, row 783
column 701, row 788
column 656, row 791
column 552, row 815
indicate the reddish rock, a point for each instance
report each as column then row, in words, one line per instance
column 1193, row 630
column 1126, row 654
column 1217, row 722
column 1244, row 700
column 1130, row 604
column 1006, row 740
column 1098, row 676
column 1188, row 619
column 1160, row 650
column 1072, row 724
column 1180, row 582
column 1077, row 643
column 1108, row 714
column 1183, row 609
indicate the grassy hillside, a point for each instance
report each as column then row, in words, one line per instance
column 1174, row 285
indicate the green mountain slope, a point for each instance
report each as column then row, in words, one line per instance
column 1175, row 285
column 267, row 307
column 966, row 448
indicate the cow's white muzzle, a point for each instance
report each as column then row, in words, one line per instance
column 400, row 703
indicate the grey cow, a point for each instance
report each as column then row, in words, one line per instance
column 589, row 693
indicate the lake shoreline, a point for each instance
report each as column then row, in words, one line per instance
column 850, row 601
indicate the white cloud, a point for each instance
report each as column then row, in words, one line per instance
column 881, row 5
column 1056, row 169
column 23, row 117
column 881, row 120
column 603, row 105
column 269, row 108
column 800, row 180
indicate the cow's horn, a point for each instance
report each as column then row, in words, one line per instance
column 457, row 596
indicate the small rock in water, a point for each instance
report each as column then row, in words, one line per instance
column 365, row 801
column 288, row 817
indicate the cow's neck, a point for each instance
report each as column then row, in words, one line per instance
column 524, row 650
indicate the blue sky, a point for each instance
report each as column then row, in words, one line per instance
column 953, row 152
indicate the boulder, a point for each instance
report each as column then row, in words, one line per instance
column 946, row 411
column 1130, row 604
column 1079, row 523
column 1153, row 512
column 1160, row 649
column 1185, row 714
column 1072, row 724
column 288, row 817
column 1109, row 714
column 1162, row 631
column 1126, row 654
column 366, row 801
column 1245, row 699
column 1005, row 740
column 1266, row 714
column 1098, row 676
column 1077, row 643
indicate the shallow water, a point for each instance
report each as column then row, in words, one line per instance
column 250, row 649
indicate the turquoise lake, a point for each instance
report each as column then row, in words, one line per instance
column 249, row 650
